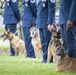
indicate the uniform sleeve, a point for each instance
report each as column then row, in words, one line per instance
column 72, row 15
column 33, row 7
column 16, row 10
column 51, row 11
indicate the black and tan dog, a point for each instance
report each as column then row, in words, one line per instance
column 34, row 33
column 16, row 42
column 65, row 63
column 54, row 42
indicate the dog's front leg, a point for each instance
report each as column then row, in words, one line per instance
column 49, row 55
column 16, row 52
column 54, row 55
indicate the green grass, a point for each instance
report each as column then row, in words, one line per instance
column 1, row 38
column 2, row 30
column 25, row 66
column 2, row 47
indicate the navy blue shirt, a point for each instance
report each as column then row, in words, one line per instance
column 11, row 12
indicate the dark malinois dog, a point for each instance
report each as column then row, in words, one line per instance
column 65, row 63
column 54, row 42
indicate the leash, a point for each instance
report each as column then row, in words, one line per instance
column 20, row 31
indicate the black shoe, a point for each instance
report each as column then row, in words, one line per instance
column 30, row 56
column 44, row 61
column 12, row 54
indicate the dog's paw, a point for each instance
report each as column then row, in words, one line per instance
column 56, row 69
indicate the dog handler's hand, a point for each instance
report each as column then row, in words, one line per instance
column 50, row 27
column 69, row 24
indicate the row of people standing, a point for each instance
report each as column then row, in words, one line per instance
column 41, row 15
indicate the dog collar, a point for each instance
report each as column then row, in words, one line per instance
column 57, row 38
column 36, row 35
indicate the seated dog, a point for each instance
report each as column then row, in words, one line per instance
column 54, row 42
column 16, row 42
column 36, row 43
column 65, row 63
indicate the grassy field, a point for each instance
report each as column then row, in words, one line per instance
column 2, row 30
column 2, row 47
column 24, row 66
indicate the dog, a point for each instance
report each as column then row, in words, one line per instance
column 65, row 63
column 54, row 42
column 36, row 42
column 15, row 41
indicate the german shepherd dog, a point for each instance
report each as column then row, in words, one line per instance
column 65, row 63
column 16, row 42
column 36, row 43
column 54, row 42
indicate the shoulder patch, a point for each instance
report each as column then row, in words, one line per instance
column 32, row 1
column 14, row 1
column 53, row 1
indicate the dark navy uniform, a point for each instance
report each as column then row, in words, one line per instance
column 45, row 16
column 69, row 12
column 11, row 18
column 61, row 23
column 29, row 13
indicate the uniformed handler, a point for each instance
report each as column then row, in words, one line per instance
column 11, row 18
column 29, row 13
column 69, row 19
column 45, row 19
column 62, row 24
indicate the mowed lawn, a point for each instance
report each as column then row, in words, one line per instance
column 19, row 65
column 2, row 30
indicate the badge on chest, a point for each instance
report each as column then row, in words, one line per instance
column 26, row 3
column 8, row 2
column 44, row 1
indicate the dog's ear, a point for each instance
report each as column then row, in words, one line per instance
column 33, row 25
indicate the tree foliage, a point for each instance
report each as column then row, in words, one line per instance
column 1, row 7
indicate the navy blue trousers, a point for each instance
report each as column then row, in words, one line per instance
column 28, row 45
column 63, row 32
column 71, row 41
column 45, row 37
column 13, row 28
